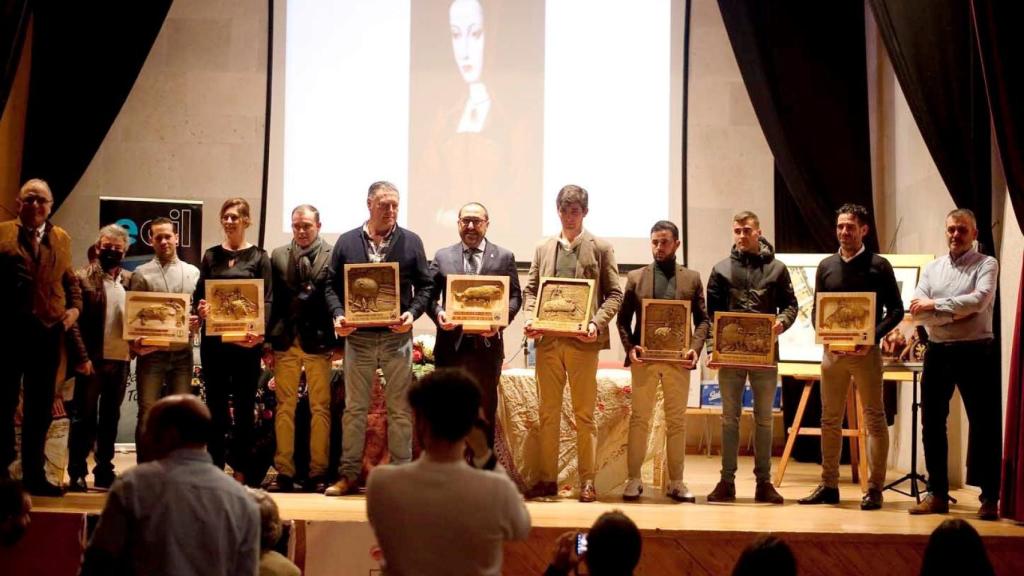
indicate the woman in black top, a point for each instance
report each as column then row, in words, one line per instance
column 232, row 369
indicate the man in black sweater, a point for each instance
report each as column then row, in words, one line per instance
column 854, row 269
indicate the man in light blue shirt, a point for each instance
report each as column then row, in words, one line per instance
column 954, row 301
column 177, row 514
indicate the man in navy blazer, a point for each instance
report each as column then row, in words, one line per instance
column 379, row 239
column 479, row 354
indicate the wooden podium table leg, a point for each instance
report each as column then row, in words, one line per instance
column 794, row 431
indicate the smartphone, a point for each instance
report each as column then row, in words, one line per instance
column 581, row 543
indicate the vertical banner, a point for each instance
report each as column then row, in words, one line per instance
column 135, row 214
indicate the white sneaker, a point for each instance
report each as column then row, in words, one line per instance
column 634, row 488
column 679, row 491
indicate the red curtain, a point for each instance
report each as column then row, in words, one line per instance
column 1013, row 446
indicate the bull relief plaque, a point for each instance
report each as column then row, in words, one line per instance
column 159, row 318
column 236, row 308
column 563, row 306
column 743, row 340
column 478, row 303
column 845, row 319
column 372, row 294
column 665, row 332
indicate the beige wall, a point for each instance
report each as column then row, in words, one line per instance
column 192, row 127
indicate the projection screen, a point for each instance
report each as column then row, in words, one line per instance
column 502, row 102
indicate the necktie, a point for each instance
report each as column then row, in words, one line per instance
column 472, row 265
column 33, row 242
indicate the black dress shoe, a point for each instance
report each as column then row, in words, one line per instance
column 44, row 488
column 283, row 483
column 821, row 495
column 103, row 481
column 315, row 484
column 872, row 499
column 78, row 485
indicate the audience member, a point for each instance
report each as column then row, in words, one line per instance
column 419, row 510
column 177, row 514
column 15, row 504
column 956, row 548
column 611, row 548
column 766, row 555
column 272, row 562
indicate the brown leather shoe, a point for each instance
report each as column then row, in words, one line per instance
column 989, row 510
column 723, row 492
column 931, row 504
column 587, row 491
column 766, row 493
column 542, row 490
column 342, row 487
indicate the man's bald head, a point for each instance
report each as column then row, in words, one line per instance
column 177, row 421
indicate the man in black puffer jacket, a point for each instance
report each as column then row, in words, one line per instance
column 749, row 280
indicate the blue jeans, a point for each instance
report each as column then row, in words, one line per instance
column 155, row 372
column 731, row 381
column 365, row 352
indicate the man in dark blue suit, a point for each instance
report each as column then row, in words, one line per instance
column 480, row 354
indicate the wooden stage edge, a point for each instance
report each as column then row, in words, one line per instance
column 705, row 538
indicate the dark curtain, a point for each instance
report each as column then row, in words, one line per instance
column 804, row 66
column 935, row 57
column 85, row 59
column 997, row 25
column 1013, row 446
column 14, row 16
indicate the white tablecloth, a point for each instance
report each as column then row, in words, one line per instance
column 518, row 443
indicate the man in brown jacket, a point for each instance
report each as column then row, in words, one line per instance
column 667, row 280
column 41, row 300
column 574, row 253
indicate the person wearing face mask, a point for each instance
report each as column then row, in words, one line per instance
column 41, row 302
column 101, row 355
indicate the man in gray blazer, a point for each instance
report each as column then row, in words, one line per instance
column 574, row 253
column 301, row 335
column 479, row 354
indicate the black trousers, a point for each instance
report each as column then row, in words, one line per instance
column 971, row 368
column 482, row 358
column 97, row 409
column 231, row 375
column 32, row 355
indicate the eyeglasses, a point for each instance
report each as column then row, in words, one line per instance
column 475, row 222
column 35, row 200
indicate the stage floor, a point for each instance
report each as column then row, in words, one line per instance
column 656, row 512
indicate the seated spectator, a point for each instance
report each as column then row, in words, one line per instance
column 612, row 548
column 956, row 548
column 15, row 504
column 766, row 555
column 272, row 562
column 178, row 513
column 419, row 509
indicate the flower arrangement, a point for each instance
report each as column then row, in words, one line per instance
column 422, row 355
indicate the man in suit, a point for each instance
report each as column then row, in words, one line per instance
column 668, row 280
column 41, row 301
column 379, row 239
column 574, row 253
column 301, row 338
column 481, row 354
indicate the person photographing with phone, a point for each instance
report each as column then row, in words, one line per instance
column 610, row 548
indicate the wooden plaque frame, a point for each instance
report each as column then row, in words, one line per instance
column 743, row 340
column 236, row 308
column 476, row 302
column 557, row 315
column 373, row 294
column 844, row 320
column 159, row 318
column 662, row 336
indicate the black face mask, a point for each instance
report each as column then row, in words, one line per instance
column 110, row 259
